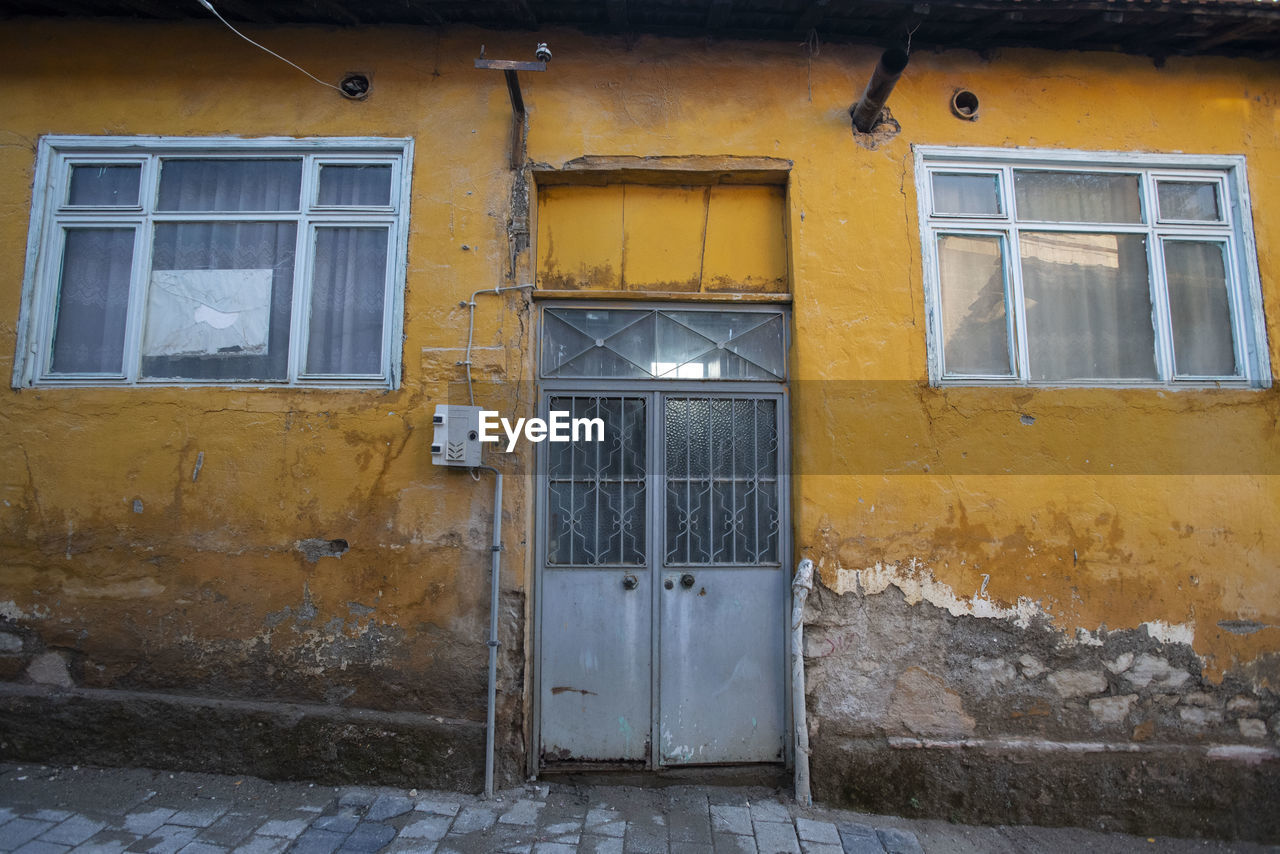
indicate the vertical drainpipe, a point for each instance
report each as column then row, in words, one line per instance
column 495, row 579
column 866, row 112
column 801, row 584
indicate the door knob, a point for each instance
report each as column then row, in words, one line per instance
column 686, row 580
column 629, row 582
column 668, row 584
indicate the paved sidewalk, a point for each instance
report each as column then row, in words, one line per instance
column 47, row 810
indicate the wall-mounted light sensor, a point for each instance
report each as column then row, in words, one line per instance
column 355, row 86
column 964, row 104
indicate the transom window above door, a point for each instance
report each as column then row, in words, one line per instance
column 685, row 344
column 1089, row 269
column 158, row 260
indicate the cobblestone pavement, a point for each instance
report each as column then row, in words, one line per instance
column 46, row 810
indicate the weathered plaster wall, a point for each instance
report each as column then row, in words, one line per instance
column 1072, row 527
column 137, row 576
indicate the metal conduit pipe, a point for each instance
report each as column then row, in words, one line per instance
column 495, row 568
column 866, row 112
column 801, row 584
column 495, row 579
column 471, row 327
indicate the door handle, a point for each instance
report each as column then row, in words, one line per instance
column 630, row 582
column 686, row 580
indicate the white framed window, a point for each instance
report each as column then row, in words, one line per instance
column 1089, row 269
column 215, row 261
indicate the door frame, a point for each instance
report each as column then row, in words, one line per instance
column 656, row 390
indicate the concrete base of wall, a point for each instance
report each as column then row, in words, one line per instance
column 279, row 741
column 1227, row 792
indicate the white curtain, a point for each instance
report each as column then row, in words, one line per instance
column 1088, row 295
column 265, row 247
column 974, row 322
column 230, row 185
column 1088, row 306
column 1076, row 197
column 1199, row 308
column 234, row 186
column 93, row 301
column 357, row 184
column 348, row 294
column 975, row 194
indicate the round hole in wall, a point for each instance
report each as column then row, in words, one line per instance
column 964, row 104
column 355, row 86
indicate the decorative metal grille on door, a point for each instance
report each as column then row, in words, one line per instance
column 721, row 481
column 596, row 491
column 662, row 586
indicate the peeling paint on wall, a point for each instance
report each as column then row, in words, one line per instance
column 1043, row 569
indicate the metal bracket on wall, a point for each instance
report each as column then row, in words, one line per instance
column 509, row 68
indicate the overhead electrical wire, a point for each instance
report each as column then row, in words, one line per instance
column 209, row 6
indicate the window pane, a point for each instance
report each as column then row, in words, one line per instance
column 966, row 194
column 1189, row 200
column 700, row 345
column 1077, row 197
column 975, row 328
column 219, row 301
column 1198, row 305
column 664, row 344
column 355, row 185
column 561, row 342
column 230, row 185
column 348, row 298
column 104, row 186
column 93, row 301
column 1088, row 305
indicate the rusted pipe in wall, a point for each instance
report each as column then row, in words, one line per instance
column 866, row 112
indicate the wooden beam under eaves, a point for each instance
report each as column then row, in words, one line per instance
column 992, row 25
column 718, row 14
column 255, row 12
column 617, row 13
column 149, row 9
column 1224, row 36
column 338, row 11
column 524, row 12
column 1087, row 28
column 811, row 17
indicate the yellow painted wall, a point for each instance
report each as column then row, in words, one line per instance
column 1120, row 507
column 723, row 238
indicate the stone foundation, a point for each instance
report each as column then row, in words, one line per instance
column 916, row 711
column 276, row 741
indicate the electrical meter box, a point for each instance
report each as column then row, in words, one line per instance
column 455, row 437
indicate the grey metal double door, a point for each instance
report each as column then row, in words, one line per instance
column 661, row 589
